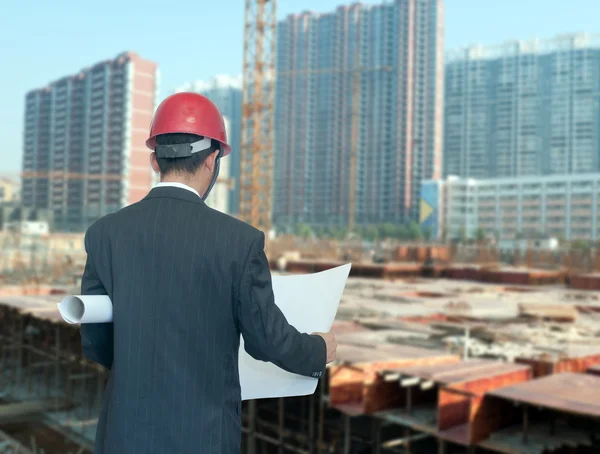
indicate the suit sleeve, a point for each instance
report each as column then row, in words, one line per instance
column 267, row 334
column 96, row 338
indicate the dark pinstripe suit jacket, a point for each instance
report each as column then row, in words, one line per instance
column 185, row 281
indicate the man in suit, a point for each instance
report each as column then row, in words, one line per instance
column 185, row 282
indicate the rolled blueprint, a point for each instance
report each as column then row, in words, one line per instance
column 86, row 309
column 309, row 303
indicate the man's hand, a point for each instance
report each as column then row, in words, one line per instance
column 331, row 343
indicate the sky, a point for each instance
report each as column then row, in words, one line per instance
column 44, row 40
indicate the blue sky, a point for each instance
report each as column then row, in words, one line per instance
column 43, row 40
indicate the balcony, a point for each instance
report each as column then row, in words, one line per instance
column 532, row 226
column 581, row 205
column 581, row 212
column 556, row 202
column 587, row 227
column 556, row 225
column 531, row 203
column 577, row 200
column 487, row 225
column 534, row 210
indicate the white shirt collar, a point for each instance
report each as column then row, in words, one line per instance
column 175, row 184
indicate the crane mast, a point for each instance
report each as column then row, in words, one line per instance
column 256, row 166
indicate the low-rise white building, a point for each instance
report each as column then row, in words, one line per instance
column 558, row 206
column 28, row 228
column 541, row 244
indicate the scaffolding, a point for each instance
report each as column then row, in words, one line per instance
column 43, row 374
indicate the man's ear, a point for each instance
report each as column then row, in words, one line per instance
column 210, row 160
column 154, row 162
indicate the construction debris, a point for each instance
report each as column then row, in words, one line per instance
column 424, row 354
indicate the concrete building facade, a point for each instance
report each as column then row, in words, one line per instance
column 84, row 151
column 395, row 50
column 226, row 92
column 523, row 108
column 560, row 206
column 9, row 189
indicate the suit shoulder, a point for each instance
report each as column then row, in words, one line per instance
column 99, row 224
column 111, row 219
column 248, row 232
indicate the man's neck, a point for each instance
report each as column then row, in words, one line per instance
column 187, row 182
column 183, row 181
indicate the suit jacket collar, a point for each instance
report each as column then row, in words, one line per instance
column 172, row 192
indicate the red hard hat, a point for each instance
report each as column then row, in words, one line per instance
column 188, row 113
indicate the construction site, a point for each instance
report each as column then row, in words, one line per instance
column 441, row 349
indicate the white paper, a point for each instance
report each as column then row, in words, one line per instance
column 309, row 303
column 86, row 309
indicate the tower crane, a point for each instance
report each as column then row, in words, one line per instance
column 257, row 113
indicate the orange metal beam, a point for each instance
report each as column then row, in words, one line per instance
column 257, row 113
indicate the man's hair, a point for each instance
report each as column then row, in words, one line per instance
column 183, row 165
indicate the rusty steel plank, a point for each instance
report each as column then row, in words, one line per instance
column 354, row 383
column 464, row 403
column 585, row 281
column 359, row 269
column 458, row 372
column 576, row 362
column 443, row 373
column 568, row 392
column 454, row 408
column 489, row 374
column 457, row 434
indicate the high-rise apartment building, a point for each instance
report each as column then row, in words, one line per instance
column 523, row 108
column 226, row 92
column 84, row 151
column 393, row 54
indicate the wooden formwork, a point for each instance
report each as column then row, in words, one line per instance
column 420, row 253
column 466, row 272
column 559, row 414
column 354, row 385
column 542, row 367
column 522, row 276
column 400, row 270
column 449, row 400
column 516, row 276
column 465, row 415
column 366, row 270
column 585, row 281
column 505, row 276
